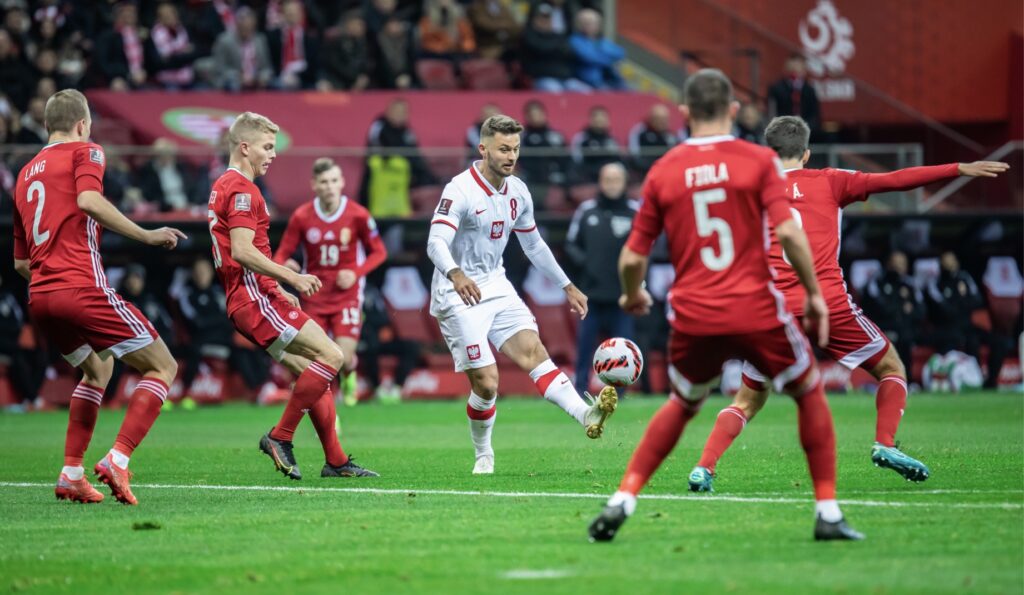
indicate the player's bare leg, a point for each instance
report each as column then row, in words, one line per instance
column 818, row 439
column 348, row 370
column 730, row 422
column 526, row 350
column 660, row 437
column 158, row 369
column 83, row 411
column 890, row 402
column 481, row 409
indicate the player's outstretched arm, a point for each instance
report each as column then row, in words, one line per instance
column 635, row 298
column 798, row 250
column 246, row 254
column 106, row 214
column 863, row 184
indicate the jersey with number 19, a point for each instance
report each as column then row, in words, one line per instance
column 69, row 297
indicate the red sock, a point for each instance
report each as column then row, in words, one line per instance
column 85, row 408
column 818, row 438
column 890, row 401
column 323, row 416
column 147, row 398
column 728, row 426
column 309, row 387
column 659, row 439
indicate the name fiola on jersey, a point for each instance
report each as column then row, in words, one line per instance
column 704, row 175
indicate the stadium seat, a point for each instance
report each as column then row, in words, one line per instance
column 555, row 331
column 484, row 75
column 413, row 325
column 1004, row 288
column 1004, row 312
column 424, row 198
column 582, row 192
column 436, row 74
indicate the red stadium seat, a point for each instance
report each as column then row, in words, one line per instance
column 424, row 198
column 436, row 74
column 413, row 325
column 556, row 331
column 484, row 75
column 1004, row 312
column 582, row 192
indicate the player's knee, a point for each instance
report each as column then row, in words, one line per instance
column 891, row 365
column 485, row 385
column 750, row 403
column 332, row 356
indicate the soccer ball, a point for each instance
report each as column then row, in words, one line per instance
column 618, row 362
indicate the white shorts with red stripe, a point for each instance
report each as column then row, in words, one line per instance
column 468, row 329
column 269, row 320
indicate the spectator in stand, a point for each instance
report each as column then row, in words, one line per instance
column 395, row 55
column 473, row 132
column 15, row 73
column 495, row 27
column 19, row 25
column 133, row 289
column 593, row 147
column 389, row 174
column 170, row 51
column 166, row 181
column 547, row 55
column 379, row 337
column 651, row 138
column 45, row 87
column 794, row 95
column 46, row 66
column 21, row 363
column 377, row 13
column 749, row 124
column 346, row 57
column 597, row 58
column 212, row 19
column 952, row 297
column 7, row 173
column 445, row 32
column 543, row 169
column 33, row 127
column 294, row 48
column 596, row 235
column 202, row 304
column 120, row 53
column 897, row 306
column 241, row 55
column 562, row 12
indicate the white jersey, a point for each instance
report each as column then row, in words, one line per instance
column 483, row 218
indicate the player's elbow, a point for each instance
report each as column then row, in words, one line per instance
column 22, row 268
column 629, row 259
column 787, row 231
column 87, row 201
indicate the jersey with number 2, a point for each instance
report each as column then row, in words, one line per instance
column 713, row 197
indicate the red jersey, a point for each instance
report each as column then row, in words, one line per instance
column 345, row 239
column 818, row 197
column 710, row 196
column 236, row 201
column 61, row 242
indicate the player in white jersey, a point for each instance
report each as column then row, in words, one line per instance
column 473, row 300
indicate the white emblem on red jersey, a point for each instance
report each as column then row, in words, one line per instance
column 796, row 192
column 329, row 236
column 313, row 235
column 96, row 156
column 243, row 202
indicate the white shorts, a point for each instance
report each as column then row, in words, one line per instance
column 467, row 329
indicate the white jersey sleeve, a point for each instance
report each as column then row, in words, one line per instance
column 452, row 207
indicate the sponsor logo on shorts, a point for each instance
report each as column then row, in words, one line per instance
column 473, row 351
column 497, row 230
column 444, row 207
column 313, row 235
column 243, row 202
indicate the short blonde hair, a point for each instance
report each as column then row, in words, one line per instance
column 64, row 109
column 246, row 125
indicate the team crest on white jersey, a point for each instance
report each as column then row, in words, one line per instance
column 497, row 230
column 313, row 235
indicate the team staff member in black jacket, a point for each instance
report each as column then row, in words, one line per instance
column 897, row 306
column 596, row 235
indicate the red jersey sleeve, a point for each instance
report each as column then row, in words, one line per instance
column 376, row 253
column 854, row 186
column 89, row 163
column 648, row 223
column 774, row 199
column 242, row 208
column 290, row 240
column 20, row 245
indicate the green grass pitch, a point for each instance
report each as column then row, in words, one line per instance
column 429, row 526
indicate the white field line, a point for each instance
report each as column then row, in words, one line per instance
column 488, row 494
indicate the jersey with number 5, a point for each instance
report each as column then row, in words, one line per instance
column 346, row 239
column 61, row 242
column 235, row 201
column 713, row 197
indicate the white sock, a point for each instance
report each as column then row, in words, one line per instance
column 627, row 500
column 73, row 473
column 120, row 459
column 480, row 429
column 559, row 390
column 828, row 510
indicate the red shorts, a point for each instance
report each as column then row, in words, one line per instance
column 853, row 341
column 345, row 321
column 269, row 321
column 90, row 319
column 696, row 360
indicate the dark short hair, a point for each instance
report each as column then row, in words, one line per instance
column 788, row 136
column 535, row 103
column 323, row 164
column 707, row 94
column 499, row 124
